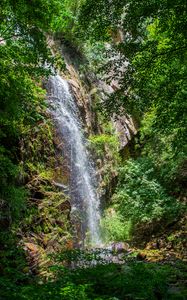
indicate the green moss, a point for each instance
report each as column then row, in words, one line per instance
column 105, row 147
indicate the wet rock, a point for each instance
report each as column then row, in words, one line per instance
column 120, row 247
column 65, row 205
column 31, row 247
column 126, row 129
column 74, row 83
column 141, row 256
column 152, row 246
column 161, row 243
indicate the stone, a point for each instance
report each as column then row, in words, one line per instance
column 31, row 247
column 119, row 247
column 141, row 256
column 74, row 83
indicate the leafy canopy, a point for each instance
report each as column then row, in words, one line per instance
column 149, row 63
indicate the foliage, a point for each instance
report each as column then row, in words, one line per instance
column 149, row 62
column 152, row 86
column 105, row 147
column 95, row 54
column 26, row 136
column 140, row 198
column 24, row 59
column 130, row 281
column 113, row 226
column 103, row 142
column 19, row 61
column 99, row 18
column 167, row 150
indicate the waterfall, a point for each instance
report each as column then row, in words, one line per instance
column 84, row 198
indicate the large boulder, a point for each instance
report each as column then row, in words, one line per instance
column 120, row 247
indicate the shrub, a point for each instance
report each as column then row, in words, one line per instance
column 140, row 198
column 105, row 143
column 113, row 226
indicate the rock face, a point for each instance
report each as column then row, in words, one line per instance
column 125, row 128
column 120, row 247
column 84, row 99
column 88, row 92
column 46, row 227
column 124, row 124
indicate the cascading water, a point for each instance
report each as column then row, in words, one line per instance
column 83, row 193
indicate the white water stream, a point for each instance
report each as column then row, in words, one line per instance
column 84, row 198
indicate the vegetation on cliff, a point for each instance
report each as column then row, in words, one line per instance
column 142, row 46
column 30, row 204
column 139, row 49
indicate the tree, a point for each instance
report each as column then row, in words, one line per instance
column 25, row 59
column 153, row 80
